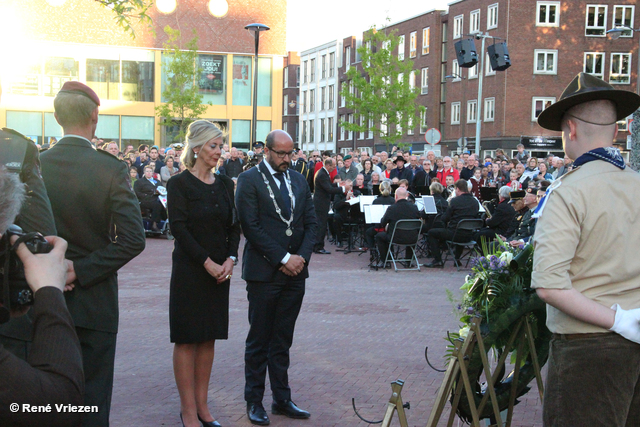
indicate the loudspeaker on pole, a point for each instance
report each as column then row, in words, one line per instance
column 466, row 53
column 499, row 56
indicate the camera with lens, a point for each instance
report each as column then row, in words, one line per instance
column 15, row 290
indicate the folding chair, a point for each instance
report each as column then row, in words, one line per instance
column 408, row 237
column 468, row 225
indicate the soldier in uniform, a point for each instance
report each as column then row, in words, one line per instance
column 19, row 154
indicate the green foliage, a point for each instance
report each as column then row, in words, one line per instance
column 127, row 11
column 183, row 99
column 381, row 90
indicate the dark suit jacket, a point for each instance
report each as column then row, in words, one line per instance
column 145, row 190
column 90, row 195
column 526, row 228
column 465, row 206
column 405, row 173
column 324, row 189
column 402, row 209
column 502, row 218
column 267, row 244
column 54, row 372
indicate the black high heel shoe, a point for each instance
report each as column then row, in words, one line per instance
column 208, row 423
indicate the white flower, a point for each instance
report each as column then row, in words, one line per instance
column 464, row 332
column 506, row 257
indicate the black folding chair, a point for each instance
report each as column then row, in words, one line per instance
column 465, row 226
column 409, row 237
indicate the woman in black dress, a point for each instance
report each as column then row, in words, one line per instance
column 201, row 206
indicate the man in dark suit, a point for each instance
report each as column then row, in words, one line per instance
column 86, row 212
column 501, row 221
column 463, row 206
column 278, row 220
column 146, row 189
column 322, row 201
column 401, row 209
column 400, row 171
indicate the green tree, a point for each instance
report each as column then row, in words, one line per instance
column 381, row 90
column 183, row 101
column 127, row 11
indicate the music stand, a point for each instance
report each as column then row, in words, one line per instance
column 488, row 193
column 376, row 190
column 422, row 190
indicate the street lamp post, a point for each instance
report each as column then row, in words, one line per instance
column 255, row 29
column 634, row 158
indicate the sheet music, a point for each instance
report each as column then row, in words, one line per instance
column 373, row 213
column 429, row 205
column 353, row 200
column 420, row 204
column 366, row 200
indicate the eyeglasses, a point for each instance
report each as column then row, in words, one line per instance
column 282, row 154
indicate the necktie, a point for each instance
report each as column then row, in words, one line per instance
column 286, row 211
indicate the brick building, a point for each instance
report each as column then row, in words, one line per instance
column 549, row 42
column 54, row 41
column 291, row 95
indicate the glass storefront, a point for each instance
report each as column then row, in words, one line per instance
column 137, row 130
column 241, row 80
column 212, row 84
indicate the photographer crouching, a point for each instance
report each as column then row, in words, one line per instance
column 47, row 389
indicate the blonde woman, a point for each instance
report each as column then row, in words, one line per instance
column 201, row 207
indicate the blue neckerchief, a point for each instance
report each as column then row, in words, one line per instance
column 153, row 181
column 608, row 154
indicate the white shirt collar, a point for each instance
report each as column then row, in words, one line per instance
column 271, row 170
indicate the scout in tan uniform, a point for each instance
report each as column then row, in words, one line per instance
column 586, row 264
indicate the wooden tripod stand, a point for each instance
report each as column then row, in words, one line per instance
column 457, row 370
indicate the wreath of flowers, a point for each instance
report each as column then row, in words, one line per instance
column 499, row 290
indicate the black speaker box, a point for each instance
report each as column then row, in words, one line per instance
column 499, row 56
column 466, row 53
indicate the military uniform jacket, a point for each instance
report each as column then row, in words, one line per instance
column 90, row 194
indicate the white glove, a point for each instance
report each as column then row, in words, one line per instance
column 627, row 323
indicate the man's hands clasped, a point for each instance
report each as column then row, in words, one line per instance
column 294, row 266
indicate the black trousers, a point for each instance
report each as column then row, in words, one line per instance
column 321, row 231
column 273, row 310
column 156, row 208
column 438, row 236
column 98, row 355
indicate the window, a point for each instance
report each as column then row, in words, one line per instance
column 386, row 44
column 594, row 64
column 410, row 130
column 412, row 80
column 455, row 71
column 323, row 98
column 297, row 132
column 103, row 76
column 426, row 33
column 304, row 101
column 488, row 69
column 286, row 77
column 546, row 61
column 304, row 131
column 285, row 126
column 332, row 63
column 620, row 72
column 138, row 130
column 286, row 107
column 341, row 128
column 312, row 100
column 350, row 133
column 322, row 130
column 305, row 70
column 298, row 76
column 330, row 129
column 331, row 97
column 473, row 72
column 423, row 121
column 596, row 20
column 311, row 130
column 539, row 104
column 344, row 88
column 472, row 111
column 312, row 77
column 297, row 104
column 548, row 14
column 455, row 113
column 457, row 26
column 264, row 83
column 492, row 16
column 370, row 126
column 383, row 125
column 622, row 125
column 623, row 17
column 424, row 81
column 361, row 122
column 242, row 72
column 347, row 58
column 474, row 21
column 324, row 66
column 489, row 109
column 401, row 48
column 413, row 44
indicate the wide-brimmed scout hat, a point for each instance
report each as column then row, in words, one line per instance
column 399, row 158
column 517, row 195
column 584, row 88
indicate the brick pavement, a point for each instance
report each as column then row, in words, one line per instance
column 357, row 332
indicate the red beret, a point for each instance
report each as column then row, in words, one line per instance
column 80, row 89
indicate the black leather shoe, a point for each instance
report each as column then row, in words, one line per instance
column 257, row 415
column 322, row 251
column 435, row 264
column 289, row 409
column 208, row 423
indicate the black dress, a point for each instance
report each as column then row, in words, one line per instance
column 200, row 216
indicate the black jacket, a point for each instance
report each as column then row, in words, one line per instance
column 502, row 218
column 233, row 168
column 464, row 206
column 145, row 190
column 324, row 189
column 526, row 228
column 267, row 242
column 403, row 173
